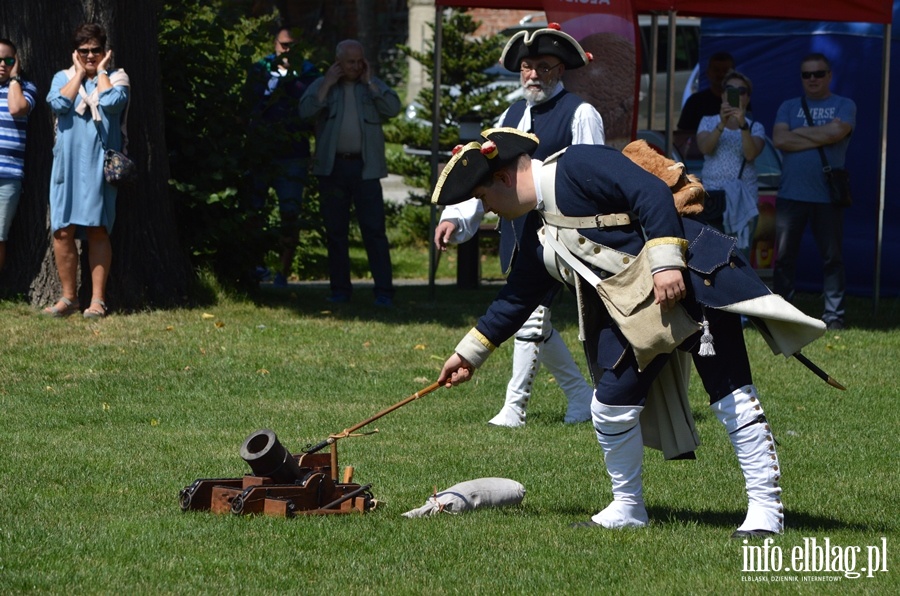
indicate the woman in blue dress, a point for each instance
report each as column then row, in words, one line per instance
column 89, row 102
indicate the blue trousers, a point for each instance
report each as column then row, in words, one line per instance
column 827, row 224
column 338, row 192
column 288, row 177
column 10, row 190
column 727, row 371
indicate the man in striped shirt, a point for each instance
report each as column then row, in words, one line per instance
column 16, row 101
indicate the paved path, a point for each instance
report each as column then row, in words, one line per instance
column 395, row 190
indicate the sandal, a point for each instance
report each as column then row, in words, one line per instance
column 69, row 307
column 97, row 310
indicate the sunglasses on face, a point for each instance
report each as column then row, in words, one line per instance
column 8, row 61
column 741, row 90
column 814, row 74
column 85, row 51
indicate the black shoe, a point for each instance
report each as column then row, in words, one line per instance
column 835, row 325
column 752, row 533
column 262, row 273
column 384, row 301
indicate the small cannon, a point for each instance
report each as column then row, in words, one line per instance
column 286, row 485
column 268, row 457
column 281, row 484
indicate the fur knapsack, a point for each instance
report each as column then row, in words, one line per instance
column 686, row 188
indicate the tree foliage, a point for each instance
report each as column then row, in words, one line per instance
column 466, row 89
column 150, row 267
column 212, row 44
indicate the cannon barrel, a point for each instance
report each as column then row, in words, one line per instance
column 268, row 457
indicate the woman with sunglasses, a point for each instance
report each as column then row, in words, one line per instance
column 730, row 141
column 17, row 98
column 89, row 101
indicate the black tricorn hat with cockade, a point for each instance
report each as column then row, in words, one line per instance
column 472, row 163
column 544, row 42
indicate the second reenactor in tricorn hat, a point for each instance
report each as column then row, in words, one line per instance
column 611, row 231
column 559, row 119
column 550, row 41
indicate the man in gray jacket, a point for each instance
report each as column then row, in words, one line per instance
column 349, row 106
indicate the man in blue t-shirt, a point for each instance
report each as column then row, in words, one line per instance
column 804, row 196
column 16, row 101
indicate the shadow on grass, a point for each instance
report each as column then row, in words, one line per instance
column 444, row 303
column 794, row 520
column 727, row 520
column 414, row 302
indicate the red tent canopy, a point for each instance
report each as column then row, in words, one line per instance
column 853, row 11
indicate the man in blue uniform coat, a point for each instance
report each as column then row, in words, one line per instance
column 645, row 278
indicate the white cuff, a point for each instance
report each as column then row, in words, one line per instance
column 475, row 348
column 666, row 253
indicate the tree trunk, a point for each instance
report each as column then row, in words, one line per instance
column 150, row 268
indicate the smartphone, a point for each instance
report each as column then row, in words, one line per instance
column 733, row 96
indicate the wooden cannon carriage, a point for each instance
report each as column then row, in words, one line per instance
column 281, row 484
column 286, row 485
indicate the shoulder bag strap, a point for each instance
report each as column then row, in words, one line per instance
column 825, row 167
column 99, row 133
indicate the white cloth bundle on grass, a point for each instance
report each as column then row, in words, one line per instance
column 472, row 494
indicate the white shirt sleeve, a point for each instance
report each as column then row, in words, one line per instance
column 587, row 126
column 587, row 129
column 467, row 216
column 757, row 130
column 500, row 119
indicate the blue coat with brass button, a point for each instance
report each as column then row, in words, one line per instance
column 593, row 180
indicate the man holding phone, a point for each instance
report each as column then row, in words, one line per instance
column 281, row 140
column 349, row 106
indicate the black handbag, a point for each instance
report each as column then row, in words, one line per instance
column 839, row 186
column 837, row 179
column 714, row 205
column 713, row 208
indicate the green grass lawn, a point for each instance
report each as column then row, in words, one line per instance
column 104, row 422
